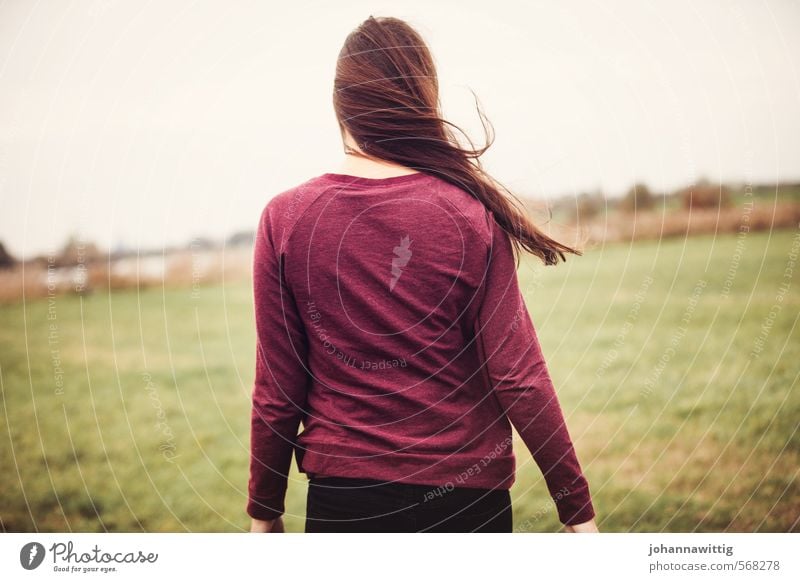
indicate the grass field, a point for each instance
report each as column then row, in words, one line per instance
column 129, row 412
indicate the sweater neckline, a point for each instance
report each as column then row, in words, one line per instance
column 362, row 181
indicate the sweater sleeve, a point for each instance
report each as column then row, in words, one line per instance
column 281, row 378
column 520, row 379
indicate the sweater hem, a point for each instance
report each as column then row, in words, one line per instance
column 402, row 467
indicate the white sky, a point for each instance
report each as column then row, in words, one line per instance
column 145, row 125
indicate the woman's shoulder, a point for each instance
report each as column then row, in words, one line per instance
column 288, row 200
column 281, row 212
column 284, row 209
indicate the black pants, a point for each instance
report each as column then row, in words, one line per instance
column 338, row 504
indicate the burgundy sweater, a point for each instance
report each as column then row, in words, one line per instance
column 391, row 324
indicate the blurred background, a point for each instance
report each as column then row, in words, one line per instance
column 139, row 144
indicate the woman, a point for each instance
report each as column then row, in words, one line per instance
column 391, row 325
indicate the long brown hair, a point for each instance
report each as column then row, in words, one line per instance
column 386, row 94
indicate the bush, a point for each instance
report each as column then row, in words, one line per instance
column 6, row 260
column 638, row 197
column 589, row 206
column 705, row 195
column 76, row 251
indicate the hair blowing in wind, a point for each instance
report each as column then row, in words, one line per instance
column 386, row 94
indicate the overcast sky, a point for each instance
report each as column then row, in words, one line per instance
column 144, row 124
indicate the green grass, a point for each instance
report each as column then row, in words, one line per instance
column 706, row 442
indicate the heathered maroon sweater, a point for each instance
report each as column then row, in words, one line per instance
column 391, row 325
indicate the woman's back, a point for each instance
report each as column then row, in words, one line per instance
column 384, row 274
column 392, row 325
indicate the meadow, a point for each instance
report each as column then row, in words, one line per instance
column 676, row 363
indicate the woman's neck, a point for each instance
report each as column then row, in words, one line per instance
column 371, row 168
column 358, row 164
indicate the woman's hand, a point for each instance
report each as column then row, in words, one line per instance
column 586, row 527
column 268, row 526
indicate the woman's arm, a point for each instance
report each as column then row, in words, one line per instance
column 518, row 374
column 281, row 380
column 588, row 527
column 266, row 526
